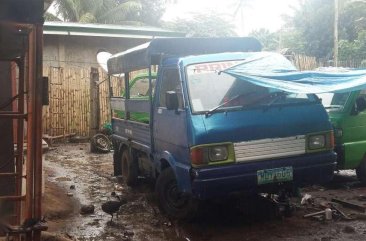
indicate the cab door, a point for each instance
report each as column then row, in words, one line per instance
column 170, row 126
column 354, row 132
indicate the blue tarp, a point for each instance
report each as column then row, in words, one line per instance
column 275, row 71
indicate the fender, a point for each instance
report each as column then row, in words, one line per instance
column 181, row 171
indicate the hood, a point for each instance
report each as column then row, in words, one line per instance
column 259, row 123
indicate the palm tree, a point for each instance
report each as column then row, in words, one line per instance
column 98, row 11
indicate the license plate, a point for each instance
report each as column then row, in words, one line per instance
column 282, row 174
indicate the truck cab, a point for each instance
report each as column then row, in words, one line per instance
column 347, row 112
column 211, row 134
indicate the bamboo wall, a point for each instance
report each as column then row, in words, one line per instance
column 69, row 93
column 303, row 62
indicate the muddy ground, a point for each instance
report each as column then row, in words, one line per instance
column 76, row 177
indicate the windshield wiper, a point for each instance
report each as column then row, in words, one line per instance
column 273, row 96
column 209, row 112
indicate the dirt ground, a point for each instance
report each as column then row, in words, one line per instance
column 76, row 177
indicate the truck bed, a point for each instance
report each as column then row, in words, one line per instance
column 136, row 132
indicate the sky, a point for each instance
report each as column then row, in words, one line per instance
column 259, row 14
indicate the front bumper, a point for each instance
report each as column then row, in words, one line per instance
column 242, row 177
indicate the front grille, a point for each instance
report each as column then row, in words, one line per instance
column 269, row 148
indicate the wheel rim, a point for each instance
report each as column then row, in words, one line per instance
column 174, row 197
column 102, row 143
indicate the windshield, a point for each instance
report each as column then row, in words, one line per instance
column 334, row 101
column 209, row 89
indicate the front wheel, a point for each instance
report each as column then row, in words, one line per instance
column 361, row 171
column 171, row 201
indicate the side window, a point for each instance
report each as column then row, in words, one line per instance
column 361, row 101
column 170, row 82
column 140, row 88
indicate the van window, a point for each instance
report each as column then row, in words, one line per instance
column 210, row 89
column 170, row 82
column 334, row 101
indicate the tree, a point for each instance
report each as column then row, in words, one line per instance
column 111, row 11
column 313, row 21
column 310, row 28
column 270, row 41
column 353, row 50
column 352, row 19
column 203, row 25
column 152, row 11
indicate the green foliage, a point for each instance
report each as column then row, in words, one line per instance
column 50, row 17
column 352, row 19
column 203, row 25
column 152, row 11
column 313, row 21
column 353, row 50
column 269, row 40
column 292, row 39
column 111, row 11
column 310, row 29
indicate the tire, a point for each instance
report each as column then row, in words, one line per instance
column 116, row 161
column 129, row 168
column 171, row 202
column 100, row 143
column 361, row 171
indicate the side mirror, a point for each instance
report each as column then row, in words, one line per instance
column 171, row 100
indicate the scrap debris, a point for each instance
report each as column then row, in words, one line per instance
column 350, row 205
column 335, row 209
column 306, row 199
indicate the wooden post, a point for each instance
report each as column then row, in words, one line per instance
column 94, row 102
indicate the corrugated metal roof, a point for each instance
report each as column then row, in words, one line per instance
column 106, row 30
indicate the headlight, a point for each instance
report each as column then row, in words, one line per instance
column 218, row 153
column 316, row 142
column 212, row 154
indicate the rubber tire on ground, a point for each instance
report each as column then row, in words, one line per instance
column 129, row 168
column 185, row 208
column 361, row 171
column 100, row 143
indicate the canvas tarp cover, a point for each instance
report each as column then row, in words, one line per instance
column 273, row 70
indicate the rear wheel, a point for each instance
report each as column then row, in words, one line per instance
column 361, row 171
column 171, row 201
column 129, row 168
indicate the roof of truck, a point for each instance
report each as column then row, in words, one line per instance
column 151, row 53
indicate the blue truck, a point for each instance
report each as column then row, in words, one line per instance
column 210, row 134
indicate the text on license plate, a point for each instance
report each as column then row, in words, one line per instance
column 281, row 174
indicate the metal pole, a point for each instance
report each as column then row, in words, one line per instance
column 31, row 133
column 38, row 169
column 336, row 13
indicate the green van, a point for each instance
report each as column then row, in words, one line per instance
column 347, row 112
